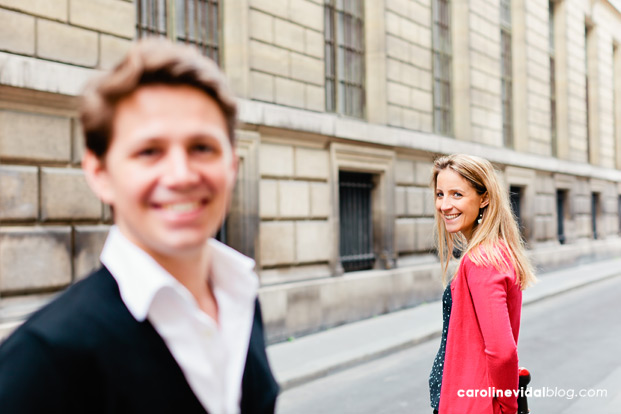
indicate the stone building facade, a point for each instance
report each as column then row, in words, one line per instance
column 343, row 107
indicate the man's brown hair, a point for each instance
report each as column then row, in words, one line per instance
column 150, row 61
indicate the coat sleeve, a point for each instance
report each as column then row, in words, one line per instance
column 488, row 289
column 30, row 380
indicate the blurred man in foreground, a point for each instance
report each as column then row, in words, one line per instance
column 171, row 322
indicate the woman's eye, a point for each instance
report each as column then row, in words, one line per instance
column 439, row 195
column 458, row 195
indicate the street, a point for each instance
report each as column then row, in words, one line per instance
column 569, row 342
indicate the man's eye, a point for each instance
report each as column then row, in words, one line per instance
column 203, row 148
column 148, row 152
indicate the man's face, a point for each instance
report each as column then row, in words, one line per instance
column 169, row 171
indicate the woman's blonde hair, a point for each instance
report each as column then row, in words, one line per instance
column 497, row 236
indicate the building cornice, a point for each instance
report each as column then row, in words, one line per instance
column 42, row 75
column 281, row 117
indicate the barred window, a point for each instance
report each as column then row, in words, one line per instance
column 152, row 18
column 561, row 211
column 616, row 108
column 442, row 74
column 344, row 57
column 515, row 198
column 595, row 208
column 552, row 54
column 195, row 22
column 506, row 62
column 356, row 223
column 619, row 214
column 587, row 36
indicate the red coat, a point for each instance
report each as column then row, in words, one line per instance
column 481, row 348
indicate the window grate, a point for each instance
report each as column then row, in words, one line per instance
column 442, row 73
column 506, row 66
column 619, row 213
column 551, row 52
column 595, row 207
column 152, row 18
column 356, row 225
column 195, row 22
column 587, row 36
column 561, row 201
column 515, row 197
column 344, row 57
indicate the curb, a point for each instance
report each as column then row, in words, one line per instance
column 556, row 283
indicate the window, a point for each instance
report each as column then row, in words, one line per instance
column 356, row 225
column 152, row 18
column 552, row 52
column 442, row 99
column 595, row 207
column 619, row 213
column 195, row 22
column 616, row 101
column 506, row 63
column 515, row 197
column 345, row 71
column 561, row 211
column 587, row 36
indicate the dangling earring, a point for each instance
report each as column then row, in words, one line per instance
column 480, row 219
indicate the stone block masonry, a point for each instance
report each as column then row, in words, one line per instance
column 286, row 53
column 39, row 137
column 34, row 258
column 66, row 195
column 18, row 192
column 408, row 49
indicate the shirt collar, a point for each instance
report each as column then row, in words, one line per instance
column 140, row 277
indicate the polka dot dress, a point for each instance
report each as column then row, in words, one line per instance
column 435, row 378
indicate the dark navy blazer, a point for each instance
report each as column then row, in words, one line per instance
column 85, row 353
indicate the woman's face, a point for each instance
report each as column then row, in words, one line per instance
column 457, row 202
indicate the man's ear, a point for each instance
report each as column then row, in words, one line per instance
column 97, row 176
column 484, row 200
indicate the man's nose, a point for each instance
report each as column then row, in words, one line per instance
column 179, row 169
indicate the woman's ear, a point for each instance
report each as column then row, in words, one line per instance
column 97, row 177
column 484, row 200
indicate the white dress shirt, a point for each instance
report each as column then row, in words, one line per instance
column 211, row 356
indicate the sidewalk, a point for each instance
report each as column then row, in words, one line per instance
column 317, row 355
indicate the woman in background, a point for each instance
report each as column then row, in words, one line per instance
column 483, row 299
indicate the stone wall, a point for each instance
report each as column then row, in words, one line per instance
column 286, row 53
column 87, row 33
column 47, row 211
column 536, row 74
column 52, row 227
column 484, row 68
column 295, row 207
column 409, row 67
column 414, row 207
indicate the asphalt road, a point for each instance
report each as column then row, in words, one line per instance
column 570, row 343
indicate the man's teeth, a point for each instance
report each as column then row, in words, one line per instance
column 182, row 207
column 451, row 216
